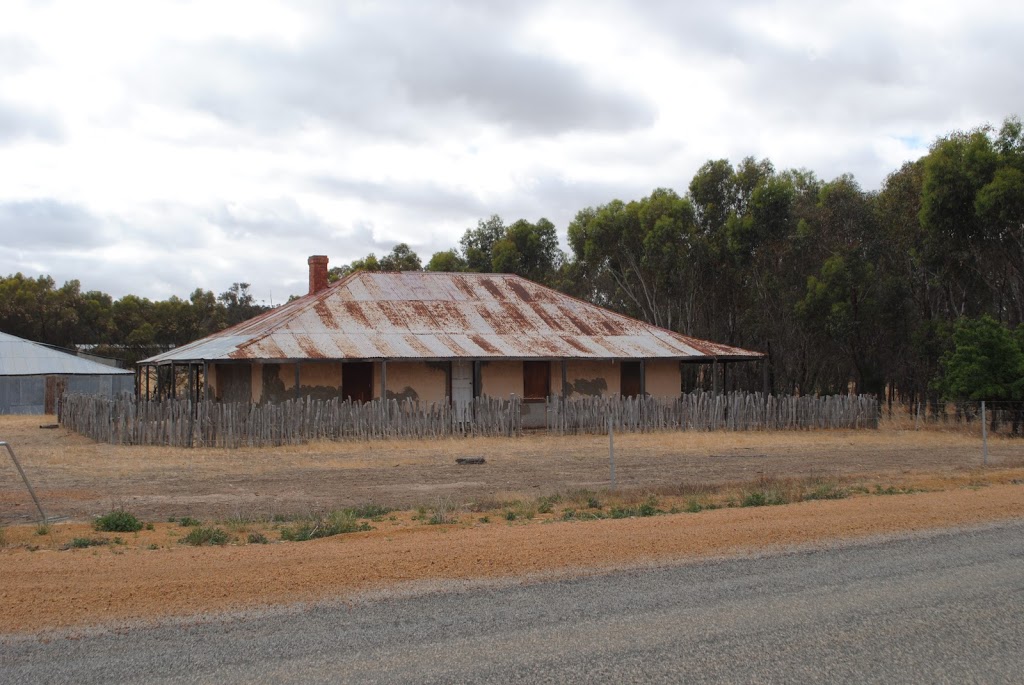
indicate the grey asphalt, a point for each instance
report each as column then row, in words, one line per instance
column 939, row 608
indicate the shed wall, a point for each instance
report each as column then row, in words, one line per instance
column 27, row 394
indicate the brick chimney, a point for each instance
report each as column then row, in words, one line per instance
column 317, row 273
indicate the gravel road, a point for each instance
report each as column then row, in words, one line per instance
column 943, row 607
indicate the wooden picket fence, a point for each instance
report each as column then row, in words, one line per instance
column 181, row 423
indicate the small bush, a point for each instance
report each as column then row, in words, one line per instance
column 42, row 529
column 257, row 539
column 82, row 543
column 117, row 521
column 593, row 503
column 206, row 536
column 693, row 506
column 485, row 519
column 3, row 537
column 510, row 515
column 189, row 522
column 335, row 523
column 150, row 526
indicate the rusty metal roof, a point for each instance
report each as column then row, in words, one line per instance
column 442, row 316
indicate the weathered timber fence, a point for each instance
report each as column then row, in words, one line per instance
column 704, row 411
column 182, row 423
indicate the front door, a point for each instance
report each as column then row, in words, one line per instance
column 462, row 389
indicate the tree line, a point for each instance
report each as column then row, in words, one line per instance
column 843, row 288
column 129, row 328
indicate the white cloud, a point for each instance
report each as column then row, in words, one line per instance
column 199, row 144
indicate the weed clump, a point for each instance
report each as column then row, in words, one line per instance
column 189, row 522
column 117, row 521
column 827, row 491
column 82, row 543
column 206, row 536
column 335, row 523
column 368, row 511
column 648, row 507
column 257, row 539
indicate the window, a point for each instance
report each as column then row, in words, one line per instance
column 536, row 380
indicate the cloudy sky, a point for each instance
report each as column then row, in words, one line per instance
column 155, row 147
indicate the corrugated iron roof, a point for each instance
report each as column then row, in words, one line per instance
column 436, row 316
column 20, row 357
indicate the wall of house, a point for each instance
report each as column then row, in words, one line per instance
column 428, row 381
column 424, row 381
column 586, row 378
column 501, row 379
column 662, row 378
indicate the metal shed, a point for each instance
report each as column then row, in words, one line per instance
column 34, row 376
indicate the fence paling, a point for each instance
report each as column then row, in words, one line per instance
column 182, row 423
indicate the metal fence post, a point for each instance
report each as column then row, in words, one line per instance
column 611, row 449
column 25, row 478
column 984, row 436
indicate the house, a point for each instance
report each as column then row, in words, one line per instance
column 33, row 377
column 433, row 337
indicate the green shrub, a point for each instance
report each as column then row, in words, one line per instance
column 42, row 529
column 257, row 539
column 693, row 506
column 206, row 536
column 510, row 515
column 189, row 522
column 117, row 521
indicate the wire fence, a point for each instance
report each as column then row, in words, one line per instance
column 1002, row 417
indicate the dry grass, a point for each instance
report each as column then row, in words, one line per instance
column 78, row 478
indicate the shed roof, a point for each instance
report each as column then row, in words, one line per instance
column 441, row 316
column 20, row 357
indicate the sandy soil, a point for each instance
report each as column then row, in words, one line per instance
column 150, row 574
column 50, row 589
column 77, row 478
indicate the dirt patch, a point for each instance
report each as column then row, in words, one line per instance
column 51, row 589
column 78, row 478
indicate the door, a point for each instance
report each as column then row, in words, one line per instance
column 55, row 387
column 462, row 389
column 631, row 379
column 357, row 381
column 536, row 380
